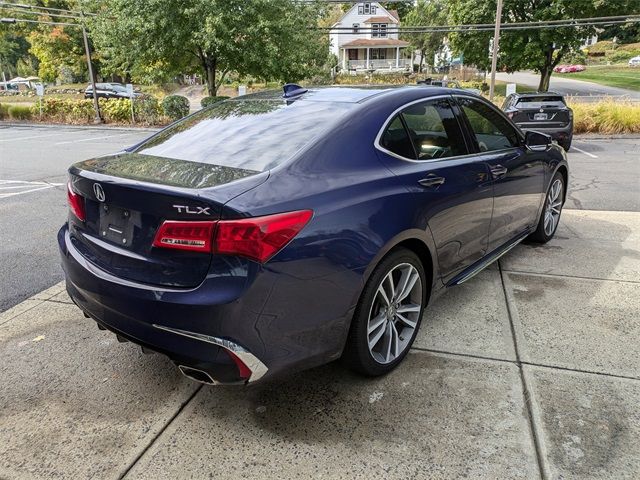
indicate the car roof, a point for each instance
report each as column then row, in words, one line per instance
column 353, row 94
column 537, row 94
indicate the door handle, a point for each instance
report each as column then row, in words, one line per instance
column 431, row 180
column 498, row 171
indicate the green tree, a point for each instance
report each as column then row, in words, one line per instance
column 13, row 48
column 431, row 13
column 537, row 49
column 58, row 49
column 269, row 39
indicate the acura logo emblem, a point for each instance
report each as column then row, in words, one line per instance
column 97, row 189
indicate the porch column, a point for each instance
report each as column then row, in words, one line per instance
column 345, row 52
column 397, row 57
column 367, row 65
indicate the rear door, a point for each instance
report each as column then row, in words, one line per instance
column 517, row 173
column 423, row 143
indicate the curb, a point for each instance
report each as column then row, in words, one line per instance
column 81, row 127
column 619, row 136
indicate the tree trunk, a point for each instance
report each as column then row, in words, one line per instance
column 209, row 69
column 421, row 61
column 547, row 68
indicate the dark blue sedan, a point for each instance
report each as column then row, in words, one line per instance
column 270, row 233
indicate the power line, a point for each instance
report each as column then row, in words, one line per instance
column 31, row 12
column 579, row 22
column 49, row 10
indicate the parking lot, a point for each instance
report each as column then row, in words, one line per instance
column 529, row 370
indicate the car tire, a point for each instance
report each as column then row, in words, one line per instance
column 386, row 323
column 566, row 144
column 551, row 211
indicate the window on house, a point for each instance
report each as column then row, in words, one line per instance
column 367, row 8
column 379, row 30
column 378, row 53
column 360, row 9
column 356, row 27
column 374, row 9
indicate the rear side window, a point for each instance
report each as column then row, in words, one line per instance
column 249, row 134
column 396, row 139
column 492, row 130
column 425, row 131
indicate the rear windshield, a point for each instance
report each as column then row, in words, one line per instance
column 532, row 102
column 249, row 134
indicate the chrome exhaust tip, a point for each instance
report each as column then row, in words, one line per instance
column 197, row 375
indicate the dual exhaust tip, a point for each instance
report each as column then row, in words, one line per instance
column 197, row 375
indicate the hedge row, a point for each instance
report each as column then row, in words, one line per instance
column 147, row 111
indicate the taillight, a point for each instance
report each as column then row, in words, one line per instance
column 259, row 238
column 194, row 236
column 243, row 371
column 76, row 203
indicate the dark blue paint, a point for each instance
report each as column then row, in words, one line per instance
column 294, row 312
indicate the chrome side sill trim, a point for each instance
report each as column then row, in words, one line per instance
column 487, row 261
column 258, row 369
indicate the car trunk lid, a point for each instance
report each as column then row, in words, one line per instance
column 128, row 196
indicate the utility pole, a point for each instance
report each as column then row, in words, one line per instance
column 96, row 106
column 494, row 53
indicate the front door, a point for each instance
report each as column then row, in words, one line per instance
column 424, row 145
column 518, row 174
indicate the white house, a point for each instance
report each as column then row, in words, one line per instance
column 363, row 39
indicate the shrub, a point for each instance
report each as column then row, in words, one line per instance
column 147, row 110
column 206, row 101
column 175, row 106
column 4, row 111
column 115, row 110
column 20, row 112
column 606, row 117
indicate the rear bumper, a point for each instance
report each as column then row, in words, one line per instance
column 560, row 134
column 258, row 316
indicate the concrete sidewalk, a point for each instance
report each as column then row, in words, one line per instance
column 529, row 370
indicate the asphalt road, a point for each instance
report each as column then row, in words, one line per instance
column 605, row 175
column 33, row 204
column 568, row 85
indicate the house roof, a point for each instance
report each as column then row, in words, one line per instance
column 375, row 42
column 395, row 14
column 381, row 20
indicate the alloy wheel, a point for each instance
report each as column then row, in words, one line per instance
column 553, row 208
column 394, row 313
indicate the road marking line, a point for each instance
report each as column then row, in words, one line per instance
column 94, row 138
column 586, row 153
column 26, row 182
column 6, row 195
column 32, row 137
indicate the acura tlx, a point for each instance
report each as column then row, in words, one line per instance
column 272, row 233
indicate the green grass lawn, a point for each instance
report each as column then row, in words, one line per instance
column 621, row 76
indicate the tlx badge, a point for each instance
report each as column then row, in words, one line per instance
column 193, row 210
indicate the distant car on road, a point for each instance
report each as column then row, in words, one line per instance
column 109, row 90
column 545, row 112
column 569, row 68
column 635, row 61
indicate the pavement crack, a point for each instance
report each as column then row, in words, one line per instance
column 160, row 432
column 526, row 390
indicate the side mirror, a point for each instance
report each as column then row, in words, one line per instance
column 536, row 141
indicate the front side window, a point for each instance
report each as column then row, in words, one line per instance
column 431, row 129
column 492, row 131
